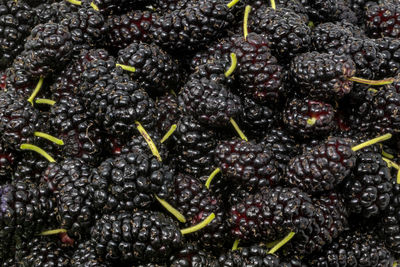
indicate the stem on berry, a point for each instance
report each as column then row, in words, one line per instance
column 45, row 101
column 171, row 209
column 245, row 21
column 172, row 92
column 372, row 141
column 282, row 243
column 311, row 121
column 392, row 164
column 50, row 138
column 211, row 177
column 199, row 226
column 235, row 244
column 148, row 140
column 36, row 91
column 232, row 66
column 232, row 3
column 75, row 2
column 241, row 134
column 385, row 154
column 37, row 150
column 126, row 67
column 371, row 82
column 372, row 90
column 273, row 5
column 94, row 6
column 53, row 232
column 169, row 133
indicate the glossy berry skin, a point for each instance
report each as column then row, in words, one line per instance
column 19, row 120
column 210, row 102
column 155, row 70
column 142, row 236
column 307, row 117
column 247, row 163
column 367, row 192
column 354, row 249
column 287, row 31
column 383, row 19
column 271, row 214
column 192, row 255
column 323, row 76
column 130, row 181
column 323, row 167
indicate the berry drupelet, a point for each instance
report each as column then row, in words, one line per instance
column 390, row 48
column 247, row 163
column 168, row 112
column 16, row 21
column 131, row 181
column 287, row 31
column 353, row 249
column 307, row 117
column 212, row 103
column 195, row 202
column 137, row 237
column 195, row 146
column 85, row 255
column 117, row 102
column 367, row 191
column 323, row 167
column 383, row 19
column 193, row 26
column 323, row 76
column 192, row 255
column 129, row 27
column 7, row 161
column 272, row 214
column 71, row 123
column 155, row 70
column 70, row 181
column 18, row 121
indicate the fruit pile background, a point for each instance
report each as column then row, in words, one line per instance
column 199, row 133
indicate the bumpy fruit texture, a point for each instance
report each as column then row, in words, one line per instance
column 307, row 117
column 272, row 214
column 323, row 167
column 247, row 163
column 131, row 181
column 383, row 19
column 367, row 191
column 142, row 236
column 353, row 248
column 323, row 76
column 155, row 70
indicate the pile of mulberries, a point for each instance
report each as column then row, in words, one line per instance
column 199, row 133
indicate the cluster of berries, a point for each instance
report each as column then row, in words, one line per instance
column 203, row 133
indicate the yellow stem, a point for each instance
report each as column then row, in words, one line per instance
column 391, row 164
column 372, row 82
column 126, row 67
column 372, row 141
column 75, row 2
column 50, row 138
column 235, row 244
column 272, row 244
column 398, row 176
column 172, row 92
column 148, row 140
column 245, row 21
column 241, row 134
column 36, row 91
column 198, row 226
column 372, row 90
column 233, row 65
column 211, row 177
column 232, row 3
column 45, row 101
column 169, row 133
column 281, row 243
column 387, row 155
column 171, row 209
column 53, row 232
column 37, row 150
column 273, row 5
column 311, row 121
column 94, row 6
